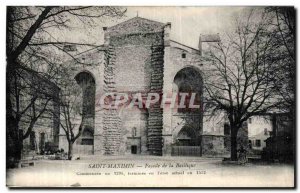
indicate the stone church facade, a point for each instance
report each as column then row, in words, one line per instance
column 138, row 56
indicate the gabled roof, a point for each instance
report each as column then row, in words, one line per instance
column 183, row 47
column 135, row 25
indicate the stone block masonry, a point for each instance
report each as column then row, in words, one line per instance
column 138, row 57
column 155, row 121
column 111, row 121
column 150, row 64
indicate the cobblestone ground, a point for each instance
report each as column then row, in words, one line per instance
column 150, row 171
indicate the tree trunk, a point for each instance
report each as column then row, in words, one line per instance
column 14, row 146
column 18, row 151
column 70, row 152
column 233, row 149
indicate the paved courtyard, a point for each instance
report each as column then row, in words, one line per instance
column 150, row 171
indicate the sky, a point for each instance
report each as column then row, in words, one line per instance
column 187, row 23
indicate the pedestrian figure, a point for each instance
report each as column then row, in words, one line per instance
column 242, row 159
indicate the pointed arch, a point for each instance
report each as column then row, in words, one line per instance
column 87, row 83
column 189, row 80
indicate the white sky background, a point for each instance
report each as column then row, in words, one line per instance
column 187, row 23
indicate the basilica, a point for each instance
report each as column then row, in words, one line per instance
column 138, row 56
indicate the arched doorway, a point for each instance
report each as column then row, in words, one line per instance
column 87, row 83
column 186, row 137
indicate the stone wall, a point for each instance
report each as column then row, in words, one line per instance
column 134, row 130
column 155, row 120
column 134, row 63
column 111, row 120
column 95, row 60
column 140, row 57
column 173, row 63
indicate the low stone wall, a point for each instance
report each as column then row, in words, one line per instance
column 186, row 151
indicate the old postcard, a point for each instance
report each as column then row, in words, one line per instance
column 104, row 96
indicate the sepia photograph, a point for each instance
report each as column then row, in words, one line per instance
column 150, row 96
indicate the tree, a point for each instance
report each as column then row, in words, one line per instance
column 33, row 39
column 285, row 61
column 72, row 116
column 240, row 82
column 32, row 96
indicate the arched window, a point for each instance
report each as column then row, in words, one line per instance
column 42, row 141
column 87, row 83
column 226, row 129
column 134, row 132
column 32, row 141
column 87, row 137
column 265, row 131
